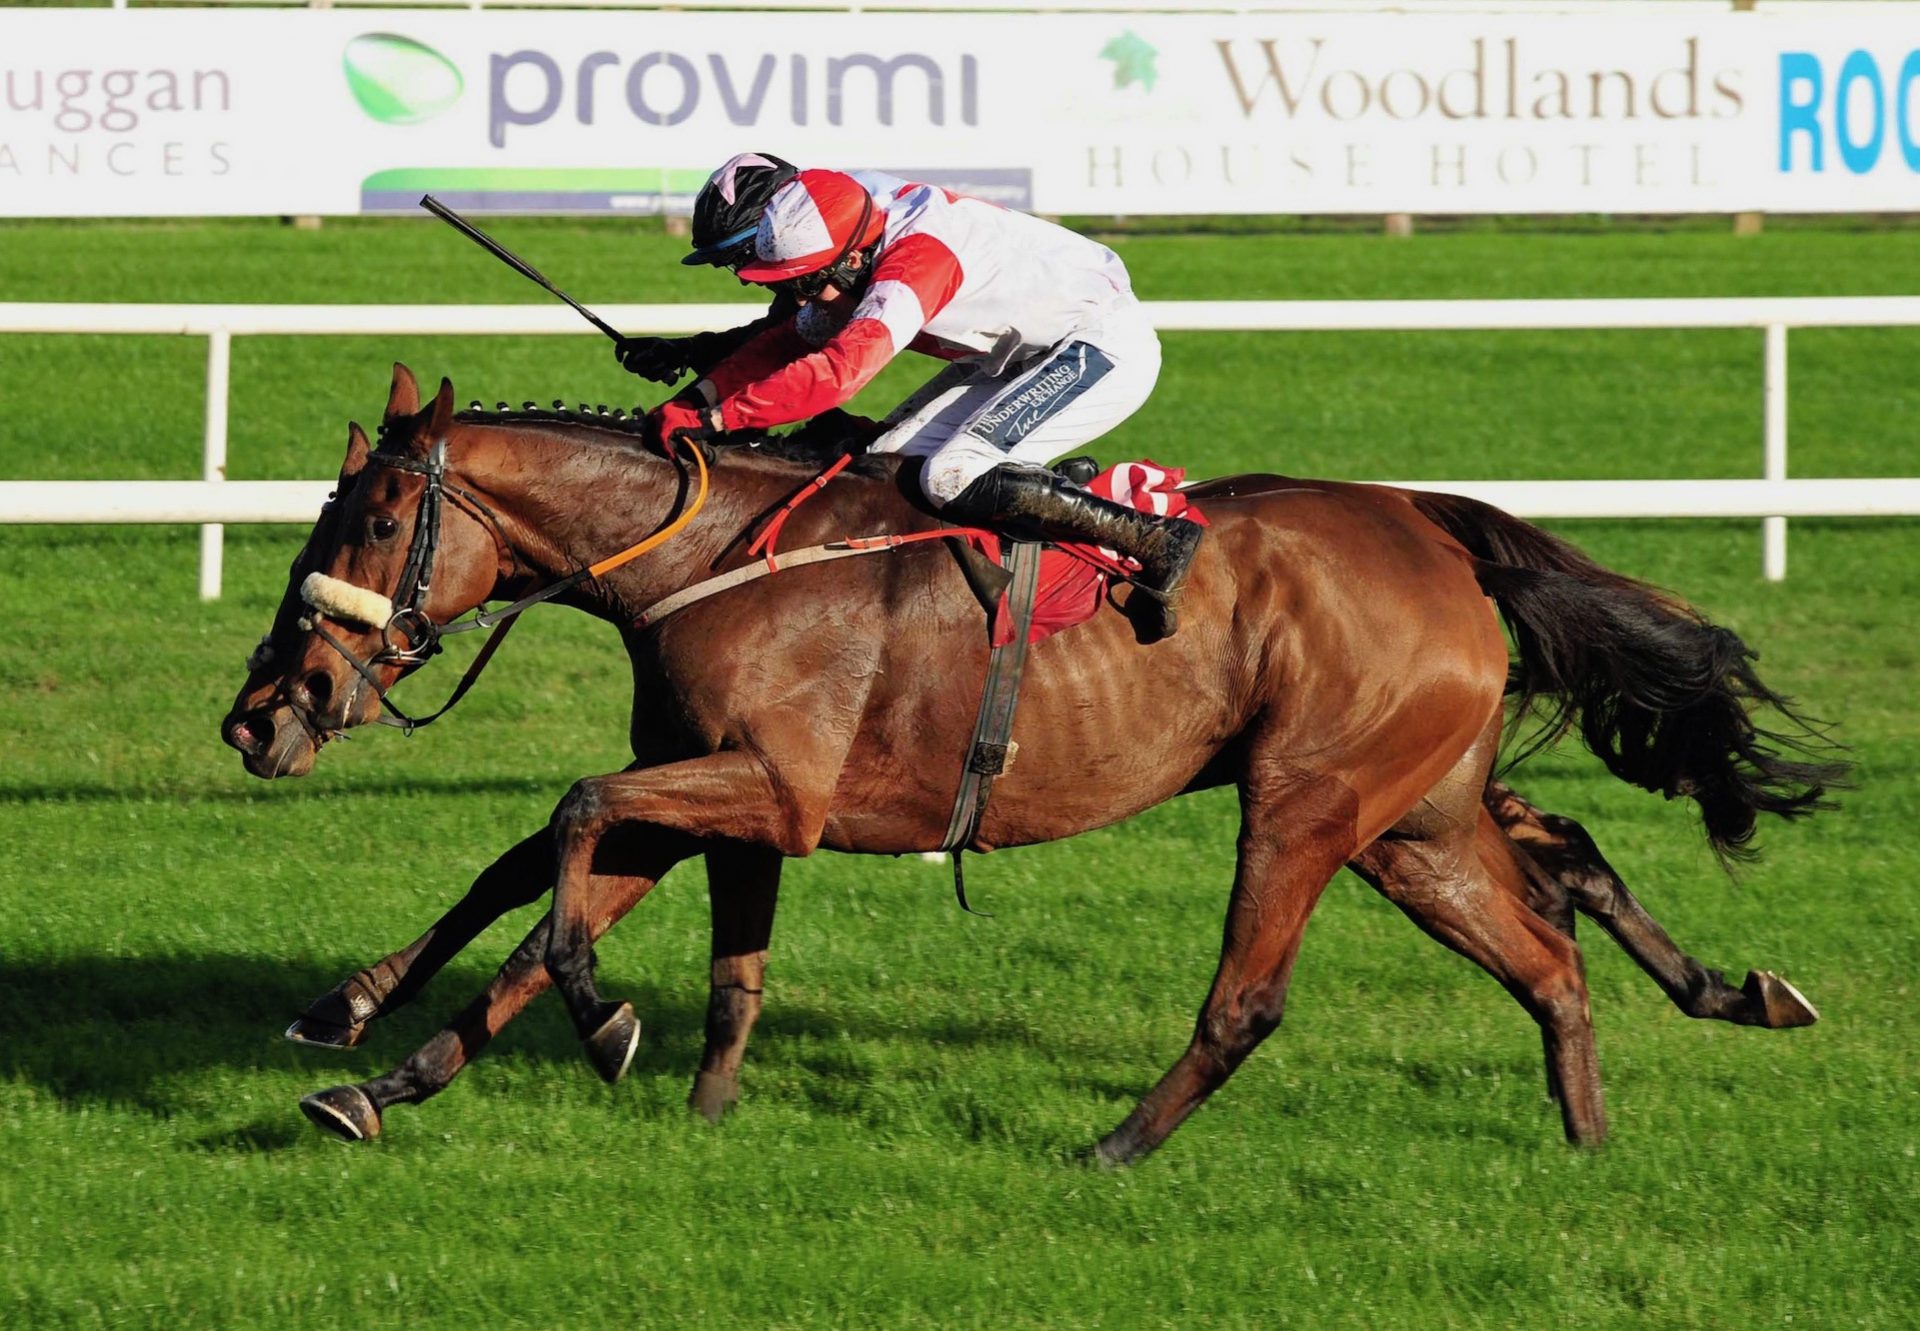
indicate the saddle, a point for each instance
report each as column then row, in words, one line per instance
column 989, row 578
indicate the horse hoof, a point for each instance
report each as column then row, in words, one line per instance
column 344, row 1111
column 306, row 1030
column 713, row 1095
column 349, row 1003
column 611, row 1048
column 1779, row 1004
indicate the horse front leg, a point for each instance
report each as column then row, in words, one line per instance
column 625, row 868
column 726, row 796
column 743, row 886
column 338, row 1018
column 1567, row 853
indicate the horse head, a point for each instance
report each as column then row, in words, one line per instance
column 387, row 563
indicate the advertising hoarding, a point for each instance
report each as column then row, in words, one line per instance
column 182, row 112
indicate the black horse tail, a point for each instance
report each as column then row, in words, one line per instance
column 1666, row 699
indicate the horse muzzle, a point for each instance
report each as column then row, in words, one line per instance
column 272, row 743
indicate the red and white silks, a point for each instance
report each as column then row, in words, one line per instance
column 955, row 278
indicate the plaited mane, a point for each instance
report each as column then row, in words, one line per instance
column 818, row 441
column 601, row 416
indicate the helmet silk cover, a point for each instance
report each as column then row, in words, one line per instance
column 810, row 223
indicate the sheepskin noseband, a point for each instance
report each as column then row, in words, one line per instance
column 344, row 601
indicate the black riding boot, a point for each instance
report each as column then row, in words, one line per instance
column 1034, row 504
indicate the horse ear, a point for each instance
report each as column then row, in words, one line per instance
column 404, row 398
column 440, row 419
column 357, row 450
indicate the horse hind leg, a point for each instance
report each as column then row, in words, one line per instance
column 1293, row 838
column 1567, row 854
column 1548, row 898
column 1460, row 880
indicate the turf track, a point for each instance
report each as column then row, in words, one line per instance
column 922, row 1079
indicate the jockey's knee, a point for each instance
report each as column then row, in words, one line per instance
column 963, row 460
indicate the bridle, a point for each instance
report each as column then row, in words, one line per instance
column 410, row 620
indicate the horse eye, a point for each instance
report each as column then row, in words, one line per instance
column 382, row 527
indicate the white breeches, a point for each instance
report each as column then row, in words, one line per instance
column 965, row 422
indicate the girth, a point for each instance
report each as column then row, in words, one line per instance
column 991, row 750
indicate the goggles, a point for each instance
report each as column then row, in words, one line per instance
column 804, row 287
column 808, row 286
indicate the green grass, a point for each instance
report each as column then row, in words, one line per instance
column 922, row 1079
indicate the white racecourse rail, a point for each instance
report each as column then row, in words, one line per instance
column 213, row 500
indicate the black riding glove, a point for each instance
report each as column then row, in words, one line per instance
column 834, row 432
column 661, row 359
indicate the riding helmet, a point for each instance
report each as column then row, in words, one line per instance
column 813, row 223
column 727, row 210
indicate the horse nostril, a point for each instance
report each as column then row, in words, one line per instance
column 252, row 734
column 319, row 688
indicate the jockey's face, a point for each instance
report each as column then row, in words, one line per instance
column 806, row 293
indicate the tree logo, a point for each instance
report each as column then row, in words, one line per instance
column 1133, row 58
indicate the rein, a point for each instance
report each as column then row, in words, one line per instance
column 763, row 548
column 409, row 617
column 846, row 548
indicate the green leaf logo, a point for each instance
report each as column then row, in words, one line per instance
column 399, row 81
column 1133, row 59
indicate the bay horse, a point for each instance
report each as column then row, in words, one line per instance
column 1340, row 663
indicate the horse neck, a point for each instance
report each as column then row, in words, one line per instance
column 570, row 496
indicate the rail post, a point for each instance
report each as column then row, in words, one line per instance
column 213, row 456
column 1773, row 531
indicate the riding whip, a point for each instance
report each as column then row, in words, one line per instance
column 512, row 260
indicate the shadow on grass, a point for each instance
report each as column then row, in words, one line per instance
column 188, row 1037
column 149, row 1031
column 282, row 1133
column 263, row 793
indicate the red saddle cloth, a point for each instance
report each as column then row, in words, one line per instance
column 1074, row 578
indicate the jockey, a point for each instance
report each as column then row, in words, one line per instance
column 1046, row 344
column 726, row 214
